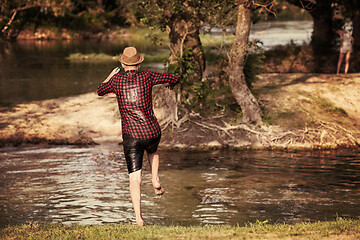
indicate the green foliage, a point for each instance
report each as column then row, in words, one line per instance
column 158, row 13
column 266, row 117
column 280, row 11
column 201, row 90
column 91, row 20
column 253, row 62
column 325, row 104
column 212, row 94
column 185, row 68
column 16, row 14
column 92, row 15
column 284, row 52
column 151, row 14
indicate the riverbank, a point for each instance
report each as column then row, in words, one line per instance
column 339, row 229
column 301, row 111
column 64, row 34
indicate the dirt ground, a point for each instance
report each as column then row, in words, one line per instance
column 300, row 111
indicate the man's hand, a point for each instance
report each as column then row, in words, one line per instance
column 113, row 72
column 167, row 85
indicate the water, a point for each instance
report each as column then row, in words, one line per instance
column 272, row 34
column 37, row 70
column 89, row 185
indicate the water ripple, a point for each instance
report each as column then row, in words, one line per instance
column 89, row 185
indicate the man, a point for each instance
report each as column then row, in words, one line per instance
column 140, row 128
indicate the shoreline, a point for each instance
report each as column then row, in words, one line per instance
column 303, row 112
column 46, row 34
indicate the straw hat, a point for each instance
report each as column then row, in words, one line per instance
column 131, row 57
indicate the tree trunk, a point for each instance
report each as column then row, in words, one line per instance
column 246, row 100
column 184, row 36
column 356, row 28
column 322, row 40
column 321, row 12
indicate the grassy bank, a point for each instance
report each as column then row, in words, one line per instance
column 339, row 229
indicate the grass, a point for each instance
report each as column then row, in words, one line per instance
column 329, row 107
column 208, row 40
column 92, row 57
column 339, row 229
column 325, row 104
column 101, row 57
column 148, row 36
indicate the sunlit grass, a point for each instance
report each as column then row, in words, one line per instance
column 338, row 229
column 148, row 36
column 92, row 57
column 101, row 57
column 325, row 104
column 208, row 40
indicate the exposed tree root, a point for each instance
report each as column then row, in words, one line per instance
column 174, row 123
column 322, row 135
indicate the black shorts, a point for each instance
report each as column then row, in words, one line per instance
column 134, row 151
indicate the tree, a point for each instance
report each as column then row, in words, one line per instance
column 89, row 15
column 249, row 105
column 11, row 9
column 356, row 26
column 323, row 35
column 182, row 21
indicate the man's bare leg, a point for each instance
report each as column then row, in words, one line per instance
column 135, row 179
column 154, row 160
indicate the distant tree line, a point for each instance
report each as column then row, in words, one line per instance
column 88, row 15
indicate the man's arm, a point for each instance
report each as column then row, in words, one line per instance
column 113, row 72
column 170, row 80
column 105, row 87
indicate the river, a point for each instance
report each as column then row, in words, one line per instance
column 89, row 185
column 37, row 70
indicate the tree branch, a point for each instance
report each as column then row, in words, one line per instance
column 268, row 7
column 9, row 23
column 305, row 4
column 16, row 10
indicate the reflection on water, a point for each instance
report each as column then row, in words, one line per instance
column 89, row 185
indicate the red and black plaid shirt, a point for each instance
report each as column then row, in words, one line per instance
column 133, row 90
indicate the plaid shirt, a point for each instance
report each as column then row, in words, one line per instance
column 133, row 90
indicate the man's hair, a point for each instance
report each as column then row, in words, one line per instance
column 137, row 65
